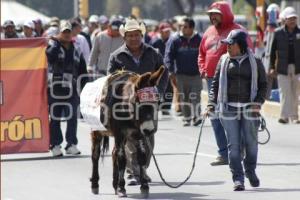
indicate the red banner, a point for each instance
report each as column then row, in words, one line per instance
column 23, row 96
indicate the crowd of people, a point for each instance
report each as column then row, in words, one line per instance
column 237, row 81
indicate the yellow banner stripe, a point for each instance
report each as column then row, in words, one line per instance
column 23, row 58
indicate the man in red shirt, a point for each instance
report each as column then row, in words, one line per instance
column 210, row 51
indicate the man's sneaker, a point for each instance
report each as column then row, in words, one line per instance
column 238, row 186
column 56, row 151
column 296, row 121
column 283, row 121
column 132, row 180
column 165, row 112
column 186, row 123
column 179, row 114
column 219, row 161
column 73, row 150
column 253, row 179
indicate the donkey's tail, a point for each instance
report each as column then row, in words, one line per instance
column 105, row 145
column 100, row 144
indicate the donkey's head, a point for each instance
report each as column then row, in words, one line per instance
column 144, row 96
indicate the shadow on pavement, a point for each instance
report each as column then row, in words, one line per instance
column 166, row 129
column 44, row 158
column 189, row 183
column 173, row 154
column 170, row 196
column 39, row 158
column 165, row 118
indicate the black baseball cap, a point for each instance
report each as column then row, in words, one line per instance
column 115, row 23
column 234, row 36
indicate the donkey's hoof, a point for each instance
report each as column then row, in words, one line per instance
column 122, row 193
column 95, row 190
column 145, row 193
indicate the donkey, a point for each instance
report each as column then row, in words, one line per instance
column 131, row 103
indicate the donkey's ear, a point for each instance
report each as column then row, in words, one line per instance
column 156, row 76
column 142, row 81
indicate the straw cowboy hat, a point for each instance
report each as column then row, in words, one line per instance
column 132, row 25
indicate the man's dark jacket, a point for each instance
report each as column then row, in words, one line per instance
column 160, row 44
column 280, row 50
column 239, row 82
column 149, row 61
column 181, row 55
column 64, row 65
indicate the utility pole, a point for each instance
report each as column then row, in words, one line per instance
column 83, row 8
column 75, row 2
column 260, row 7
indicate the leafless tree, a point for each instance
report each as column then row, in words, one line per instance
column 185, row 7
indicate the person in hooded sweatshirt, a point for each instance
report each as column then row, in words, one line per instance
column 210, row 51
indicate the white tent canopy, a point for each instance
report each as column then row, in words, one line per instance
column 19, row 13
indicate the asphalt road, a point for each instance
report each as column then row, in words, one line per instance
column 40, row 177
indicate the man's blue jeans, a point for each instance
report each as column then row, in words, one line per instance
column 218, row 130
column 59, row 109
column 241, row 131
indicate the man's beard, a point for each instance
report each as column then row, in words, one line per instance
column 216, row 23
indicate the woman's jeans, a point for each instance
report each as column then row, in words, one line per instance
column 241, row 128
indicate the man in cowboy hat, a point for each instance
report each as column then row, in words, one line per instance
column 136, row 56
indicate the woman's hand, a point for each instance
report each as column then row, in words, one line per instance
column 272, row 73
column 209, row 109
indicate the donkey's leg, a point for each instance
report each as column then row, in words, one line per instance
column 142, row 161
column 115, row 170
column 121, row 159
column 96, row 146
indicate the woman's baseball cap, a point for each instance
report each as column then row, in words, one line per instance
column 234, row 36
